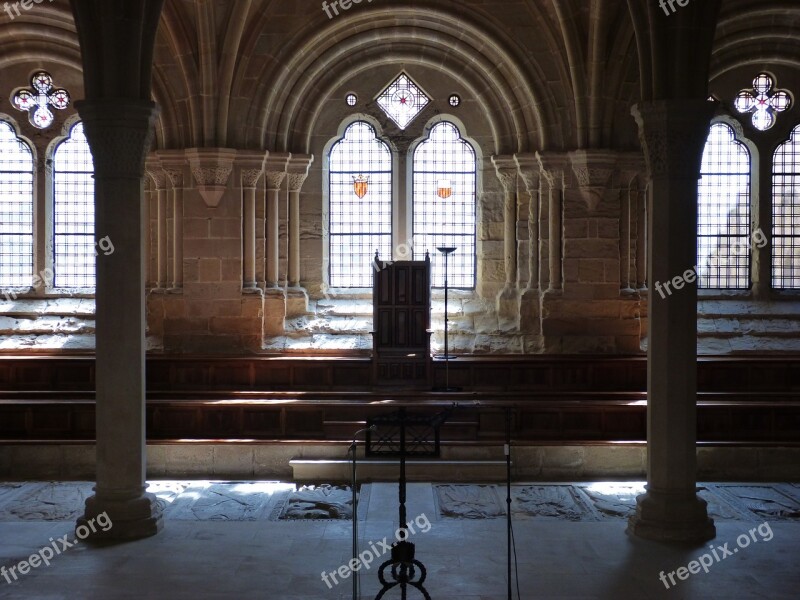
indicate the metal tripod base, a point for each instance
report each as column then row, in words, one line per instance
column 404, row 568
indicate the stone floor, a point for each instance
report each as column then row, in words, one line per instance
column 274, row 540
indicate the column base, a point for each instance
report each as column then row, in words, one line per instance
column 128, row 519
column 508, row 303
column 530, row 312
column 296, row 302
column 671, row 517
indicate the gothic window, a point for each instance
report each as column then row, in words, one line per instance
column 73, row 214
column 360, row 213
column 444, row 208
column 786, row 214
column 723, row 237
column 16, row 210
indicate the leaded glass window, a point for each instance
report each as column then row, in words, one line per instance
column 786, row 214
column 16, row 210
column 723, row 237
column 402, row 101
column 39, row 100
column 444, row 208
column 73, row 184
column 360, row 206
column 763, row 102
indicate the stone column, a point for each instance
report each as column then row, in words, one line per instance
column 530, row 322
column 553, row 168
column 641, row 237
column 274, row 296
column 275, row 167
column 120, row 133
column 159, row 179
column 175, row 174
column 508, row 299
column 250, row 169
column 673, row 134
column 297, row 174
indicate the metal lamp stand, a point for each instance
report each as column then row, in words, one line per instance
column 403, row 565
column 446, row 252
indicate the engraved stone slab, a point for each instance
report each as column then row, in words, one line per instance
column 46, row 502
column 319, row 502
column 469, row 501
column 207, row 501
column 612, row 500
column 766, row 502
column 718, row 507
column 556, row 501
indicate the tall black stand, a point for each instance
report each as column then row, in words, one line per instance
column 354, row 489
column 508, row 496
column 446, row 252
column 403, row 565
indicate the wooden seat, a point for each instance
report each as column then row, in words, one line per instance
column 401, row 296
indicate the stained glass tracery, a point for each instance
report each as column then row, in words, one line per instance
column 402, row 101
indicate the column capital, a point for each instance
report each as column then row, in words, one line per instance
column 673, row 134
column 211, row 168
column 251, row 166
column 297, row 170
column 173, row 163
column 275, row 167
column 529, row 170
column 593, row 170
column 506, row 170
column 120, row 134
column 553, row 167
column 156, row 172
column 632, row 169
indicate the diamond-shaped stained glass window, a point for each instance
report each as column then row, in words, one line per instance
column 402, row 101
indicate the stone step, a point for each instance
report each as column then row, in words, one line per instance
column 32, row 307
column 374, row 469
column 769, row 326
column 45, row 324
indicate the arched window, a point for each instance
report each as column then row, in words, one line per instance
column 445, row 204
column 786, row 214
column 16, row 210
column 73, row 214
column 723, row 236
column 360, row 193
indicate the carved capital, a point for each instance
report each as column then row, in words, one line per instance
column 297, row 170
column 275, row 179
column 250, row 177
column 175, row 176
column 251, row 166
column 120, row 134
column 529, row 170
column 632, row 170
column 593, row 170
column 155, row 172
column 211, row 168
column 553, row 167
column 506, row 170
column 673, row 135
